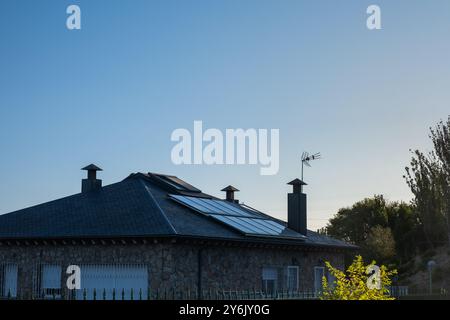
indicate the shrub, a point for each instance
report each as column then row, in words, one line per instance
column 353, row 284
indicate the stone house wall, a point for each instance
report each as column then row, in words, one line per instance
column 174, row 265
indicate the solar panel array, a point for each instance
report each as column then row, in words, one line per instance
column 233, row 215
column 212, row 206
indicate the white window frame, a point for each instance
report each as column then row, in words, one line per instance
column 265, row 279
column 318, row 290
column 288, row 280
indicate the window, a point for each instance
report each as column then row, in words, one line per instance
column 51, row 281
column 8, row 283
column 113, row 282
column 270, row 279
column 292, row 281
column 319, row 273
column 331, row 279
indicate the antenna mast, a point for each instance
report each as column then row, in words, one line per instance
column 306, row 158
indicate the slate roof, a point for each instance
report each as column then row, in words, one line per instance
column 138, row 206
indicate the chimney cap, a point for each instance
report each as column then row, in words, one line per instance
column 92, row 167
column 297, row 182
column 229, row 188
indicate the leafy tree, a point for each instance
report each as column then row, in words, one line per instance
column 354, row 224
column 406, row 229
column 396, row 224
column 352, row 284
column 381, row 243
column 429, row 180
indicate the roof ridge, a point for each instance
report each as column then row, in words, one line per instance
column 158, row 206
column 53, row 201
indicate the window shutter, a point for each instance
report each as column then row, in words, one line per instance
column 270, row 274
column 51, row 277
column 10, row 280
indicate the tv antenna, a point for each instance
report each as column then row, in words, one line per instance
column 306, row 158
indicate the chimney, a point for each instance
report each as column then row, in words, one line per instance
column 297, row 207
column 91, row 183
column 230, row 190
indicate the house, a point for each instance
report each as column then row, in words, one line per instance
column 153, row 233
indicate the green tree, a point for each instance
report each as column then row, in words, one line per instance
column 395, row 223
column 406, row 230
column 353, row 224
column 428, row 177
column 380, row 243
column 353, row 284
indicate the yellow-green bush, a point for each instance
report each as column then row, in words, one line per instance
column 353, row 283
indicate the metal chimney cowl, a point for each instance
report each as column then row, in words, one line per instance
column 91, row 183
column 230, row 190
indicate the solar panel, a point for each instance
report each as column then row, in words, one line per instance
column 176, row 182
column 249, row 223
column 181, row 183
column 213, row 206
column 229, row 221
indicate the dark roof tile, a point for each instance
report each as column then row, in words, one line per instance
column 138, row 206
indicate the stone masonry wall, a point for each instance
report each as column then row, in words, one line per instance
column 173, row 265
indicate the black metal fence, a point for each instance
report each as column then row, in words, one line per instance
column 168, row 294
column 194, row 294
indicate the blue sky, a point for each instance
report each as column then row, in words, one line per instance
column 113, row 92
